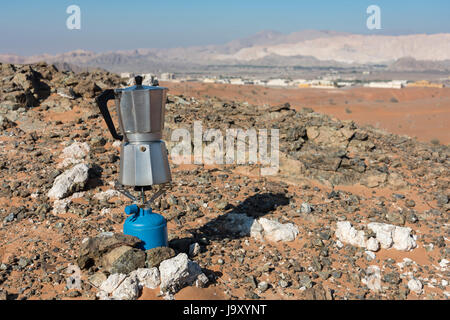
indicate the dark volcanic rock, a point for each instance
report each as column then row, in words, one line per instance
column 315, row 293
column 123, row 259
column 92, row 249
column 156, row 255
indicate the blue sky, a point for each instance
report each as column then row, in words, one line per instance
column 32, row 27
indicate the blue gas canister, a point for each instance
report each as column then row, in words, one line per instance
column 149, row 227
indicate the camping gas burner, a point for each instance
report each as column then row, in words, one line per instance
column 141, row 199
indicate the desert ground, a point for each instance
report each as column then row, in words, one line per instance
column 355, row 211
column 416, row 112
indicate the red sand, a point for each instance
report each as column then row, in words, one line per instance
column 417, row 112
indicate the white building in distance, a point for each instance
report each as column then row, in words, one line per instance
column 127, row 75
column 394, row 84
column 167, row 76
column 238, row 81
column 278, row 83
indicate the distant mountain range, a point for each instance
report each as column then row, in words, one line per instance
column 308, row 48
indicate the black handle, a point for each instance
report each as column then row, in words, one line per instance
column 102, row 101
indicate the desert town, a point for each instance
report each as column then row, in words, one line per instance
column 326, row 82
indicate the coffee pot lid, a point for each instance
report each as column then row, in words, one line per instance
column 139, row 87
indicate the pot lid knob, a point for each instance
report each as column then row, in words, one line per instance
column 138, row 80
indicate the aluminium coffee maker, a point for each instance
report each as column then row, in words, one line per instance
column 143, row 156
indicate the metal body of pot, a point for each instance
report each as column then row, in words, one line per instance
column 141, row 112
column 143, row 157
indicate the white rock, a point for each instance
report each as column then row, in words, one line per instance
column 105, row 234
column 60, row 206
column 243, row 225
column 66, row 182
column 384, row 233
column 408, row 261
column 105, row 211
column 305, row 208
column 256, row 230
column 339, row 244
column 76, row 150
column 276, row 231
column 73, row 154
column 403, row 240
column 262, row 228
column 194, row 249
column 370, row 255
column 393, row 236
column 202, row 281
column 347, row 234
column 106, row 195
column 77, row 195
column 415, row 286
column 113, row 281
column 373, row 278
column 147, row 277
column 372, row 244
column 178, row 272
column 103, row 295
column 443, row 263
column 117, row 144
column 167, row 296
column 127, row 290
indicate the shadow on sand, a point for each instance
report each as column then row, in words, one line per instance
column 218, row 229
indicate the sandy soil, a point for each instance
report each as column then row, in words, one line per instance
column 417, row 112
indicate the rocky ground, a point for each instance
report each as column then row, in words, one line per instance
column 354, row 212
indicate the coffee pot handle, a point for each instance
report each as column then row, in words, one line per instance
column 102, row 101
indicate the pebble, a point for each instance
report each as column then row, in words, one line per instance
column 336, row 274
column 263, row 286
column 370, row 256
column 283, row 283
column 415, row 286
column 74, row 294
column 194, row 249
column 305, row 208
column 9, row 218
column 305, row 281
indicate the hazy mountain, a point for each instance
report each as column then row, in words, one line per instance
column 355, row 48
column 411, row 64
column 270, row 38
column 307, row 48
